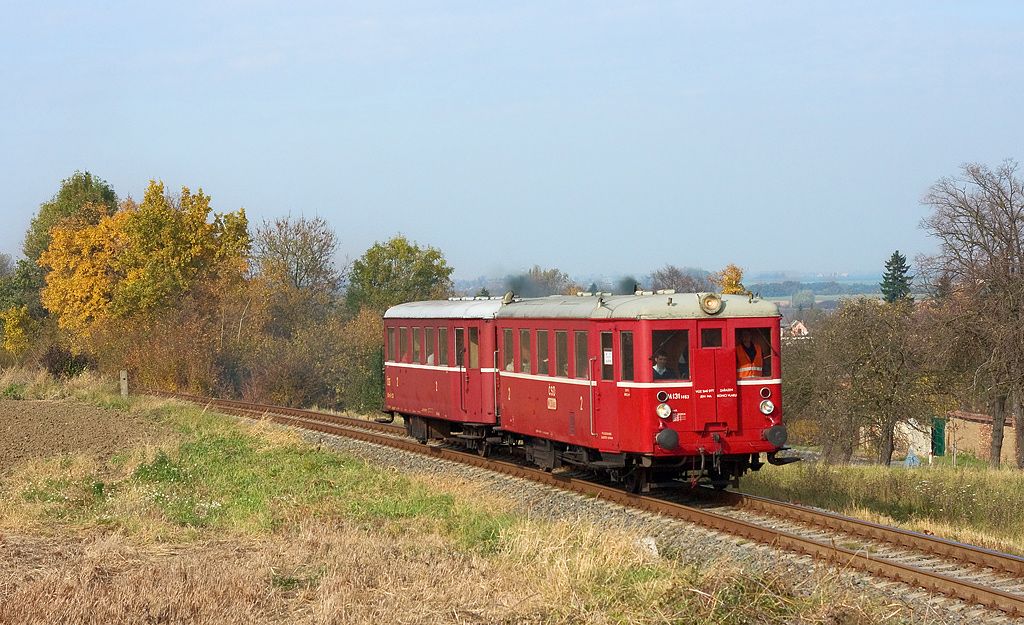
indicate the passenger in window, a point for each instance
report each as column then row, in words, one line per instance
column 661, row 370
column 749, row 356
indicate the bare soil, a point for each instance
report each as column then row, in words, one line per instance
column 44, row 429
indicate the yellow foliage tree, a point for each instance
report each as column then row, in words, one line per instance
column 140, row 258
column 18, row 328
column 729, row 280
column 80, row 284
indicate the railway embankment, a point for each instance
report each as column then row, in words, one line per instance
column 133, row 510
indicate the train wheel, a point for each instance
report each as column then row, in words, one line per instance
column 483, row 449
column 636, row 480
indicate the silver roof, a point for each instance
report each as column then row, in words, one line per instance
column 658, row 306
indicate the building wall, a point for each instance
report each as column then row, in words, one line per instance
column 976, row 437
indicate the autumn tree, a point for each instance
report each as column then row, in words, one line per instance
column 140, row 258
column 978, row 220
column 397, row 271
column 77, row 192
column 17, row 329
column 729, row 280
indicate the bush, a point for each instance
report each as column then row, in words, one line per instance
column 61, row 363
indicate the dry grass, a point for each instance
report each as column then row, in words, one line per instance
column 334, row 572
column 971, row 504
column 304, row 536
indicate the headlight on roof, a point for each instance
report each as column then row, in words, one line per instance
column 664, row 411
column 711, row 303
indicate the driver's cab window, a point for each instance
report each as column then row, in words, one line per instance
column 753, row 353
column 671, row 354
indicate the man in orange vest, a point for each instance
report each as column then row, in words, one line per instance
column 749, row 356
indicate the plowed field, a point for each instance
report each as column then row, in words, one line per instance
column 41, row 429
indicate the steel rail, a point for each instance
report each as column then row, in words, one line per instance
column 925, row 543
column 933, row 581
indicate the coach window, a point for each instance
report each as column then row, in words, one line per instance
column 582, row 356
column 753, row 352
column 626, row 355
column 542, row 352
column 607, row 364
column 391, row 344
column 460, row 347
column 428, row 344
column 474, row 348
column 524, row 351
column 507, row 353
column 562, row 353
column 442, row 346
column 676, row 345
column 417, row 340
column 711, row 337
column 403, row 344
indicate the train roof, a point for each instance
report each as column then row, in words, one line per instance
column 646, row 306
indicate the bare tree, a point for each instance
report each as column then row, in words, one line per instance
column 859, row 377
column 682, row 280
column 300, row 251
column 538, row 282
column 978, row 218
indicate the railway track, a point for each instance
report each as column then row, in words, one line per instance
column 966, row 572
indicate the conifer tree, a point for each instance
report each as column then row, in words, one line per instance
column 896, row 283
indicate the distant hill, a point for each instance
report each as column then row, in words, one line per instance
column 789, row 287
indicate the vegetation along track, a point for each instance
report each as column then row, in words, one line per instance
column 970, row 573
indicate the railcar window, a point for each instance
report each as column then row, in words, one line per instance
column 753, row 353
column 474, row 348
column 626, row 355
column 562, row 353
column 428, row 344
column 582, row 356
column 442, row 346
column 607, row 366
column 524, row 351
column 403, row 344
column 507, row 354
column 711, row 337
column 391, row 344
column 417, row 340
column 460, row 347
column 675, row 344
column 542, row 352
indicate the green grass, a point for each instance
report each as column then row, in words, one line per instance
column 222, row 477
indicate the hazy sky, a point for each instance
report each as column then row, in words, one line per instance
column 595, row 137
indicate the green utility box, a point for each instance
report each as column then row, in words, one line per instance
column 938, row 436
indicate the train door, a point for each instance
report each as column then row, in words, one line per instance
column 714, row 378
column 606, row 395
column 469, row 357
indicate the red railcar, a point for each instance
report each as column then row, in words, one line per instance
column 571, row 380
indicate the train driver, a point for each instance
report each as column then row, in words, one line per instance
column 661, row 370
column 749, row 356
